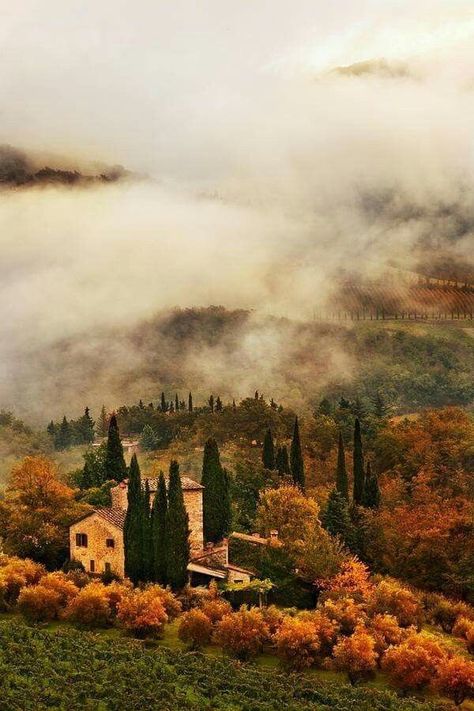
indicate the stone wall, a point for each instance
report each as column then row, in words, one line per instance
column 193, row 504
column 98, row 531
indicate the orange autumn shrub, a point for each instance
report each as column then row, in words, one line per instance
column 60, row 583
column 455, row 679
column 327, row 629
column 16, row 573
column 273, row 617
column 115, row 592
column 142, row 612
column 345, row 612
column 444, row 612
column 242, row 633
column 353, row 581
column 356, row 655
column 389, row 597
column 412, row 664
column 171, row 604
column 297, row 643
column 386, row 632
column 38, row 603
column 90, row 608
column 216, row 608
column 464, row 628
column 195, row 628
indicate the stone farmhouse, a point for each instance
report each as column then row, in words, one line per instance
column 96, row 539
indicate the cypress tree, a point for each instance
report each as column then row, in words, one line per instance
column 115, row 467
column 216, row 495
column 164, row 404
column 234, row 406
column 177, row 538
column 296, row 457
column 358, row 460
column 371, row 496
column 176, row 403
column 211, row 403
column 51, row 428
column 337, row 519
column 268, row 454
column 148, row 566
column 133, row 528
column 190, row 402
column 282, row 463
column 159, row 536
column 218, row 404
column 342, row 484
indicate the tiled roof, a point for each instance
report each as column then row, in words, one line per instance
column 114, row 516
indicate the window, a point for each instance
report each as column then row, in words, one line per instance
column 110, row 543
column 92, row 566
column 81, row 540
column 107, row 568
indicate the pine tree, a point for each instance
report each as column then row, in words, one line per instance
column 148, row 563
column 102, row 423
column 190, row 402
column 171, row 406
column 159, row 536
column 51, row 428
column 177, row 538
column 115, row 467
column 337, row 519
column 371, row 496
column 85, row 428
column 87, row 476
column 325, row 407
column 218, row 404
column 296, row 457
column 358, row 465
column 216, row 495
column 176, row 403
column 211, row 403
column 133, row 527
column 164, row 404
column 63, row 436
column 148, row 439
column 141, row 405
column 380, row 407
column 342, row 484
column 268, row 453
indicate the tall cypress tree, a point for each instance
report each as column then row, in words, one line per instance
column 177, row 538
column 218, row 404
column 268, row 454
column 282, row 463
column 371, row 496
column 159, row 536
column 148, row 566
column 190, row 402
column 176, row 403
column 211, row 403
column 358, row 470
column 342, row 484
column 216, row 495
column 164, row 404
column 115, row 467
column 133, row 528
column 337, row 519
column 296, row 457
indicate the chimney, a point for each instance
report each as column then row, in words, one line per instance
column 274, row 535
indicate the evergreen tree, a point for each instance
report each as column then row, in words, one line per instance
column 87, row 477
column 159, row 536
column 190, row 402
column 282, row 463
column 177, row 528
column 234, row 406
column 51, row 429
column 371, row 496
column 358, row 465
column 218, row 404
column 296, row 457
column 268, row 454
column 63, row 436
column 380, row 407
column 256, row 394
column 102, row 424
column 216, row 494
column 342, row 484
column 148, row 563
column 164, row 404
column 148, row 439
column 85, row 428
column 141, row 405
column 115, row 467
column 325, row 407
column 133, row 528
column 211, row 403
column 171, row 406
column 176, row 403
column 337, row 519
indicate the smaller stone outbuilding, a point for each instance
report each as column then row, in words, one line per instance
column 96, row 541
